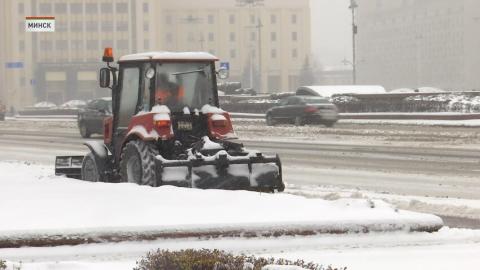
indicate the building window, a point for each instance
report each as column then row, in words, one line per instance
column 232, row 37
column 122, row 44
column 252, row 19
column 273, row 53
column 253, row 36
column 46, row 45
column 146, row 44
column 61, row 26
column 294, row 36
column 76, row 44
column 233, row 53
column 273, row 36
column 122, row 7
column 21, row 45
column 191, row 37
column 60, row 8
column 76, row 26
column 122, row 26
column 92, row 44
column 146, row 26
column 92, row 26
column 76, row 8
column 168, row 19
column 108, row 43
column 106, row 7
column 211, row 37
column 61, row 45
column 273, row 19
column 211, row 19
column 294, row 19
column 91, row 8
column 107, row 26
column 21, row 8
column 231, row 19
column 294, row 53
column 169, row 37
column 45, row 8
column 145, row 7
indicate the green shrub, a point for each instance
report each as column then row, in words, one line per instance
column 3, row 266
column 212, row 260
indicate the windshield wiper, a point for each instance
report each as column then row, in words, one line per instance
column 190, row 72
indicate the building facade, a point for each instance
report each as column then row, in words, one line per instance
column 413, row 43
column 63, row 65
column 271, row 39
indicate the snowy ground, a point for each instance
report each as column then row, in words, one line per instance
column 445, row 250
column 36, row 205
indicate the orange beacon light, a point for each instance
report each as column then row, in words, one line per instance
column 108, row 55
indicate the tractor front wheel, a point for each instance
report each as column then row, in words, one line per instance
column 137, row 163
column 90, row 169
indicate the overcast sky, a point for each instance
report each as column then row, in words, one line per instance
column 331, row 31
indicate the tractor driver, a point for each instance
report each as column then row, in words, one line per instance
column 168, row 93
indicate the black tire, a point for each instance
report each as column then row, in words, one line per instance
column 90, row 169
column 270, row 121
column 299, row 121
column 137, row 164
column 84, row 132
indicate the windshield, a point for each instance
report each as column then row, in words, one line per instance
column 180, row 85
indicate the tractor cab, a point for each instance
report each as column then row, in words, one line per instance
column 167, row 128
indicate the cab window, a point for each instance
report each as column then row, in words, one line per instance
column 129, row 95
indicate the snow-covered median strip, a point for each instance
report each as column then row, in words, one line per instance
column 50, row 210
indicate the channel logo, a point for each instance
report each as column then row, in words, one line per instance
column 40, row 24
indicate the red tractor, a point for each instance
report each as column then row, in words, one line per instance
column 167, row 129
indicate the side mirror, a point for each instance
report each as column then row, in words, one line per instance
column 223, row 73
column 105, row 77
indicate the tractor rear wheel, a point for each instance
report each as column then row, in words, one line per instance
column 90, row 169
column 137, row 163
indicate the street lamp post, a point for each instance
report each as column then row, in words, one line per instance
column 353, row 6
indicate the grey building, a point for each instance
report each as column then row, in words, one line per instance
column 415, row 43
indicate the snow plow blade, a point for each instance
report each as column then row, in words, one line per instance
column 222, row 171
column 69, row 166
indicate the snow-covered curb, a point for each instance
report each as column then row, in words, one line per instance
column 451, row 207
column 38, row 208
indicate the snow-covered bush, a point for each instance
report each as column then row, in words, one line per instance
column 3, row 266
column 216, row 260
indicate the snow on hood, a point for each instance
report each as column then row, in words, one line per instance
column 160, row 109
column 211, row 109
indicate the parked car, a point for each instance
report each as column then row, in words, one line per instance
column 3, row 111
column 90, row 118
column 301, row 110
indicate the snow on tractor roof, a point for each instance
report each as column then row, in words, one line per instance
column 331, row 90
column 169, row 56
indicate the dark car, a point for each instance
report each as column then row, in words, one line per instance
column 90, row 118
column 301, row 110
column 3, row 111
